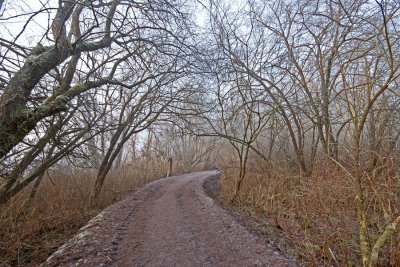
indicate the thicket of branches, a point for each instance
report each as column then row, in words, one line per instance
column 312, row 80
column 100, row 73
column 84, row 82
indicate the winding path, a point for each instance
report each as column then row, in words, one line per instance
column 170, row 222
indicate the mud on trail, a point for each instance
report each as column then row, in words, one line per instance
column 170, row 222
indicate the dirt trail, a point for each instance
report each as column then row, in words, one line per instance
column 170, row 222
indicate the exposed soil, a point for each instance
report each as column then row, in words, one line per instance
column 170, row 222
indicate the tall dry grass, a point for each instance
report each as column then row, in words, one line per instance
column 30, row 232
column 314, row 218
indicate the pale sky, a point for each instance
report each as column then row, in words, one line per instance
column 17, row 13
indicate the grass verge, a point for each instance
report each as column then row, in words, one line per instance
column 31, row 231
column 312, row 219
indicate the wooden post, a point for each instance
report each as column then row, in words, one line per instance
column 170, row 167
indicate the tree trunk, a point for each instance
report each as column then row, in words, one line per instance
column 33, row 192
column 360, row 204
column 169, row 173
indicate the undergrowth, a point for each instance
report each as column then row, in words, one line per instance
column 314, row 218
column 31, row 231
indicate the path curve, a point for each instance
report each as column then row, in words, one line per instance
column 170, row 222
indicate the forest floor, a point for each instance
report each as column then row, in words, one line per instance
column 170, row 222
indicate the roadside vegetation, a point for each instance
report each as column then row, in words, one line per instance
column 32, row 229
column 312, row 219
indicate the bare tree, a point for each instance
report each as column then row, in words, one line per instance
column 329, row 68
column 86, row 47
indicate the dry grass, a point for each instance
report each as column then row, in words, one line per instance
column 315, row 216
column 28, row 235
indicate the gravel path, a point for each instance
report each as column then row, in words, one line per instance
column 170, row 222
